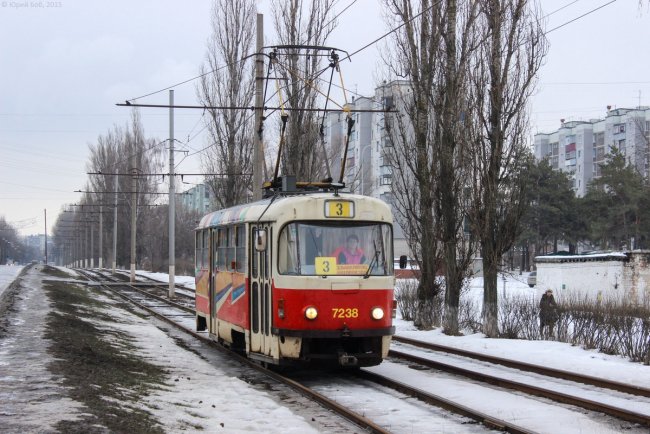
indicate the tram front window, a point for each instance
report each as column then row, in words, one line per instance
column 321, row 250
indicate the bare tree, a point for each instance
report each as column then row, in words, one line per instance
column 503, row 78
column 299, row 22
column 113, row 154
column 227, row 81
column 410, row 132
column 452, row 150
column 429, row 188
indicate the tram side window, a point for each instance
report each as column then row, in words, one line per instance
column 222, row 249
column 240, row 243
column 287, row 250
column 232, row 242
column 197, row 249
column 205, row 248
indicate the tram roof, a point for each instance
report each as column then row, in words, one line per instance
column 272, row 208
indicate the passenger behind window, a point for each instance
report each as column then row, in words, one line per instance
column 350, row 253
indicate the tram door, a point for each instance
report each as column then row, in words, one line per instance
column 212, row 327
column 260, row 289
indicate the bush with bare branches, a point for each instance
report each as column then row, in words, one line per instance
column 410, row 306
column 610, row 326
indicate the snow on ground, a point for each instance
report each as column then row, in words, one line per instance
column 200, row 393
column 31, row 398
column 8, row 274
column 553, row 354
column 206, row 394
column 187, row 281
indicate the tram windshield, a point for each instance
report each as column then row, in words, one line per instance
column 314, row 249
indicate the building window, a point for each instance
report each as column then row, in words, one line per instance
column 386, row 180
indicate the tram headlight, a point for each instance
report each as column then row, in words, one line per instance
column 311, row 313
column 377, row 313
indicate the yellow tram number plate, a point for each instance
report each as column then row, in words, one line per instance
column 339, row 209
column 325, row 265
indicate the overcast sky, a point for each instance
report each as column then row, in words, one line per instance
column 65, row 64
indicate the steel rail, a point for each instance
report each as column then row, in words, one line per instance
column 523, row 366
column 177, row 285
column 365, row 424
column 488, row 421
column 141, row 291
column 587, row 404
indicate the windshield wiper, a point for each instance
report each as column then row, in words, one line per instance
column 374, row 259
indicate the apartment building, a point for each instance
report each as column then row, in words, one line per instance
column 579, row 147
column 367, row 168
column 197, row 198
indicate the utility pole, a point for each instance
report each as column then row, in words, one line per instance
column 101, row 236
column 87, row 253
column 134, row 208
column 258, row 153
column 45, row 213
column 92, row 245
column 115, row 227
column 172, row 201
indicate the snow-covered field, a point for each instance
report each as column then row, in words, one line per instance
column 205, row 392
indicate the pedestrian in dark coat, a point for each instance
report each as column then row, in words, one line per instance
column 548, row 314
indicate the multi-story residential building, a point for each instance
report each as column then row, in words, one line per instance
column 579, row 147
column 198, row 198
column 367, row 168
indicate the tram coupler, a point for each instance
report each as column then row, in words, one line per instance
column 348, row 360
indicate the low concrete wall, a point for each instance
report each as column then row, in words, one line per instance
column 620, row 276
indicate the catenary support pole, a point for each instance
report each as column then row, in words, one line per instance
column 92, row 245
column 115, row 228
column 172, row 201
column 258, row 152
column 101, row 237
column 134, row 210
column 45, row 213
column 86, row 247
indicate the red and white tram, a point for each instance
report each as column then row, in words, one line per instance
column 305, row 277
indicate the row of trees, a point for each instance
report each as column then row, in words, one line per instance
column 124, row 161
column 459, row 154
column 12, row 247
column 613, row 215
column 227, row 81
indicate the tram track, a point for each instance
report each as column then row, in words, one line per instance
column 342, row 410
column 529, row 367
column 527, row 388
column 426, row 397
column 170, row 318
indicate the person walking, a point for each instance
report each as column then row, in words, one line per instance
column 548, row 314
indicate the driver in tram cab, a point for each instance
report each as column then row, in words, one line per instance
column 350, row 253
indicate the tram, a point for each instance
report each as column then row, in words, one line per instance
column 300, row 277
